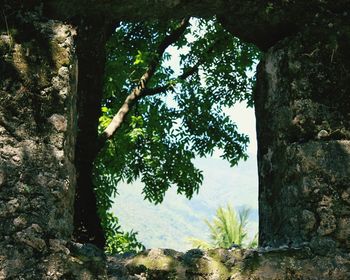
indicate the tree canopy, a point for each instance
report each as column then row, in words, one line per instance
column 157, row 117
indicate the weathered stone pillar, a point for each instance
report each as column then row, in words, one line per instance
column 303, row 129
column 38, row 85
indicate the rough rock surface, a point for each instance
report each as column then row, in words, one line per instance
column 303, row 129
column 219, row 264
column 37, row 140
column 260, row 22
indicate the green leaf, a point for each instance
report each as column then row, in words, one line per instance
column 139, row 58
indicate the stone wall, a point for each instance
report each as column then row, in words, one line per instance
column 219, row 264
column 303, row 129
column 38, row 70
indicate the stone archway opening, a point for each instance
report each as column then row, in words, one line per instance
column 92, row 95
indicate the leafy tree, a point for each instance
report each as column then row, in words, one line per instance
column 227, row 229
column 154, row 121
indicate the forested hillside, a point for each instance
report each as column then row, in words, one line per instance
column 170, row 223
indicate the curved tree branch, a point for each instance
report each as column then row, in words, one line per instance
column 141, row 90
column 187, row 73
column 137, row 92
column 170, row 85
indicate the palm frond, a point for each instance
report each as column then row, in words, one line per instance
column 227, row 228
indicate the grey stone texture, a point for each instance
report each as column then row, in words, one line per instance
column 219, row 264
column 38, row 70
column 303, row 129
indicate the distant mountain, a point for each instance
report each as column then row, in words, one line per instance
column 172, row 222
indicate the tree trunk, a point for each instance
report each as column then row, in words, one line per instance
column 91, row 41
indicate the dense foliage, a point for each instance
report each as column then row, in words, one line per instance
column 227, row 229
column 182, row 118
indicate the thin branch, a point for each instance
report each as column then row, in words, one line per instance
column 7, row 29
column 141, row 90
column 167, row 41
column 189, row 72
column 136, row 93
column 171, row 84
